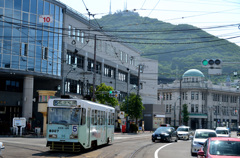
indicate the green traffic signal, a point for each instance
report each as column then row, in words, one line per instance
column 205, row 62
column 110, row 92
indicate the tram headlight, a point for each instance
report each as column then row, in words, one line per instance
column 73, row 137
column 52, row 136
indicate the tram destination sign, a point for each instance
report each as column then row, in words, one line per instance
column 65, row 103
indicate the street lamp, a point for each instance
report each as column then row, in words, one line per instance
column 73, row 67
column 127, row 128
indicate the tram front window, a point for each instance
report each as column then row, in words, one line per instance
column 64, row 116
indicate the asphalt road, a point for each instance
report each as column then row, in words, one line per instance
column 124, row 146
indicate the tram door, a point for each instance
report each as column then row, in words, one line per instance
column 88, row 126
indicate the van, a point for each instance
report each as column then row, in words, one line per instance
column 223, row 132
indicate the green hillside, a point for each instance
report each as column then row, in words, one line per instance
column 176, row 47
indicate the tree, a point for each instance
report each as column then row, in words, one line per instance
column 102, row 95
column 133, row 106
column 185, row 114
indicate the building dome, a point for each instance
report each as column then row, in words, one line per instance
column 193, row 73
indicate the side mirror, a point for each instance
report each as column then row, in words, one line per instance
column 200, row 153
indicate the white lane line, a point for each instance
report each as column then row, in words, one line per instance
column 156, row 152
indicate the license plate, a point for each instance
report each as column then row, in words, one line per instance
column 158, row 137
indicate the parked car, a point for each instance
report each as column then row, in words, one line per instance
column 164, row 125
column 165, row 134
column 183, row 132
column 222, row 132
column 1, row 148
column 199, row 138
column 220, row 147
column 238, row 132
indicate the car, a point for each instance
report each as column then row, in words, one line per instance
column 183, row 132
column 220, row 147
column 164, row 125
column 1, row 148
column 199, row 138
column 222, row 132
column 165, row 134
column 238, row 132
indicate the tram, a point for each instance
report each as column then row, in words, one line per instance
column 74, row 124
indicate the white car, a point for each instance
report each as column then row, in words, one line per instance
column 199, row 138
column 222, row 132
column 1, row 148
column 183, row 132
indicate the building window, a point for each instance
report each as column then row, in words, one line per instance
column 197, row 95
column 121, row 55
column 91, row 66
column 24, row 49
column 192, row 95
column 131, row 60
column 78, row 35
column 122, row 76
column 166, row 108
column 73, row 58
column 44, row 53
column 73, row 32
column 170, row 108
column 196, row 109
column 192, row 108
column 109, row 71
column 82, row 37
column 69, row 31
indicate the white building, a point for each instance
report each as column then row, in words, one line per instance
column 208, row 105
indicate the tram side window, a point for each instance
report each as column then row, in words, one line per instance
column 95, row 118
column 109, row 118
column 112, row 120
column 92, row 122
column 99, row 117
column 83, row 118
column 103, row 117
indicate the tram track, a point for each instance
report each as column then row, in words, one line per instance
column 139, row 149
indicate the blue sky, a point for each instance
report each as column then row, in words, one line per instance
column 205, row 14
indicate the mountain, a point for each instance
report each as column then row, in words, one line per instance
column 176, row 47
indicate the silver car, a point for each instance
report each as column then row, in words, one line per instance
column 199, row 138
column 183, row 132
column 1, row 148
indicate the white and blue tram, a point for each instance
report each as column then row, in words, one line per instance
column 75, row 124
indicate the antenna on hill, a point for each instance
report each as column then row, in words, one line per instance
column 125, row 6
column 110, row 8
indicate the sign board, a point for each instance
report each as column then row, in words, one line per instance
column 215, row 71
column 19, row 121
column 45, row 18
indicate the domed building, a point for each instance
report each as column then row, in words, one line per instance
column 208, row 105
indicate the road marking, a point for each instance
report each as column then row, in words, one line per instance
column 156, row 152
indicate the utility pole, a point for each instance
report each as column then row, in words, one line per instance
column 94, row 67
column 180, row 102
column 140, row 68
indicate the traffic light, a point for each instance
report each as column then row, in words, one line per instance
column 114, row 93
column 110, row 93
column 212, row 63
